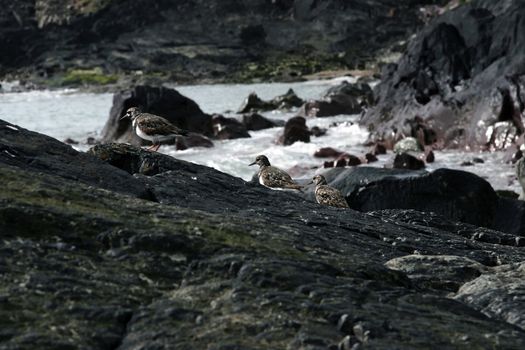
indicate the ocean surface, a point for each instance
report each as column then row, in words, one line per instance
column 79, row 115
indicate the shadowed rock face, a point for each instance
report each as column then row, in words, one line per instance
column 457, row 195
column 210, row 261
column 463, row 75
column 184, row 40
column 167, row 103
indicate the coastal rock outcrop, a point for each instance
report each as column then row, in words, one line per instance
column 457, row 195
column 208, row 253
column 345, row 98
column 168, row 103
column 462, row 76
column 207, row 39
column 295, row 130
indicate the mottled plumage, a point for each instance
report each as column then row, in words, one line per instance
column 326, row 195
column 153, row 128
column 273, row 177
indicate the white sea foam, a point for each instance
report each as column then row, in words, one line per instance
column 71, row 114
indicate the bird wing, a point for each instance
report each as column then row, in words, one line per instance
column 276, row 177
column 327, row 195
column 153, row 124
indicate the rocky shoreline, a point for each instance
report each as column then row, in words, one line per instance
column 114, row 44
column 124, row 248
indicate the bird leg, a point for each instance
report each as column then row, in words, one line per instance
column 155, row 147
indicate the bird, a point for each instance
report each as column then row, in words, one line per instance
column 327, row 195
column 272, row 177
column 152, row 127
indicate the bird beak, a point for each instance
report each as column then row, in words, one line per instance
column 252, row 163
column 311, row 182
column 125, row 116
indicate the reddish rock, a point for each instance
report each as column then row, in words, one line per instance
column 317, row 131
column 326, row 152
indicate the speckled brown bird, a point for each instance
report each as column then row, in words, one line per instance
column 326, row 195
column 273, row 177
column 153, row 128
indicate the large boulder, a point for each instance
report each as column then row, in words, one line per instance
column 295, row 130
column 168, row 103
column 462, row 76
column 455, row 194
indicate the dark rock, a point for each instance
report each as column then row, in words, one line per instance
column 460, row 77
column 345, row 98
column 326, row 152
column 193, row 140
column 455, row 194
column 205, row 40
column 438, row 272
column 497, row 294
column 241, row 263
column 478, row 160
column 70, row 141
column 295, row 130
column 168, row 103
column 408, row 161
column 37, row 153
column 253, row 103
column 361, row 91
column 370, row 158
column 378, row 148
column 228, row 128
column 510, row 214
column 429, row 155
column 343, row 160
column 317, row 131
column 287, row 101
column 256, row 121
column 467, row 163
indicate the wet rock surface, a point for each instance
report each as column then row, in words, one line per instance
column 210, row 261
column 460, row 77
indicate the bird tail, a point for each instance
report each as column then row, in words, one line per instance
column 296, row 187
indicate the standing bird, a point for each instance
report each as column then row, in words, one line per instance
column 153, row 128
column 326, row 195
column 273, row 177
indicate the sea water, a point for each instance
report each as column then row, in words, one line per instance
column 78, row 115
